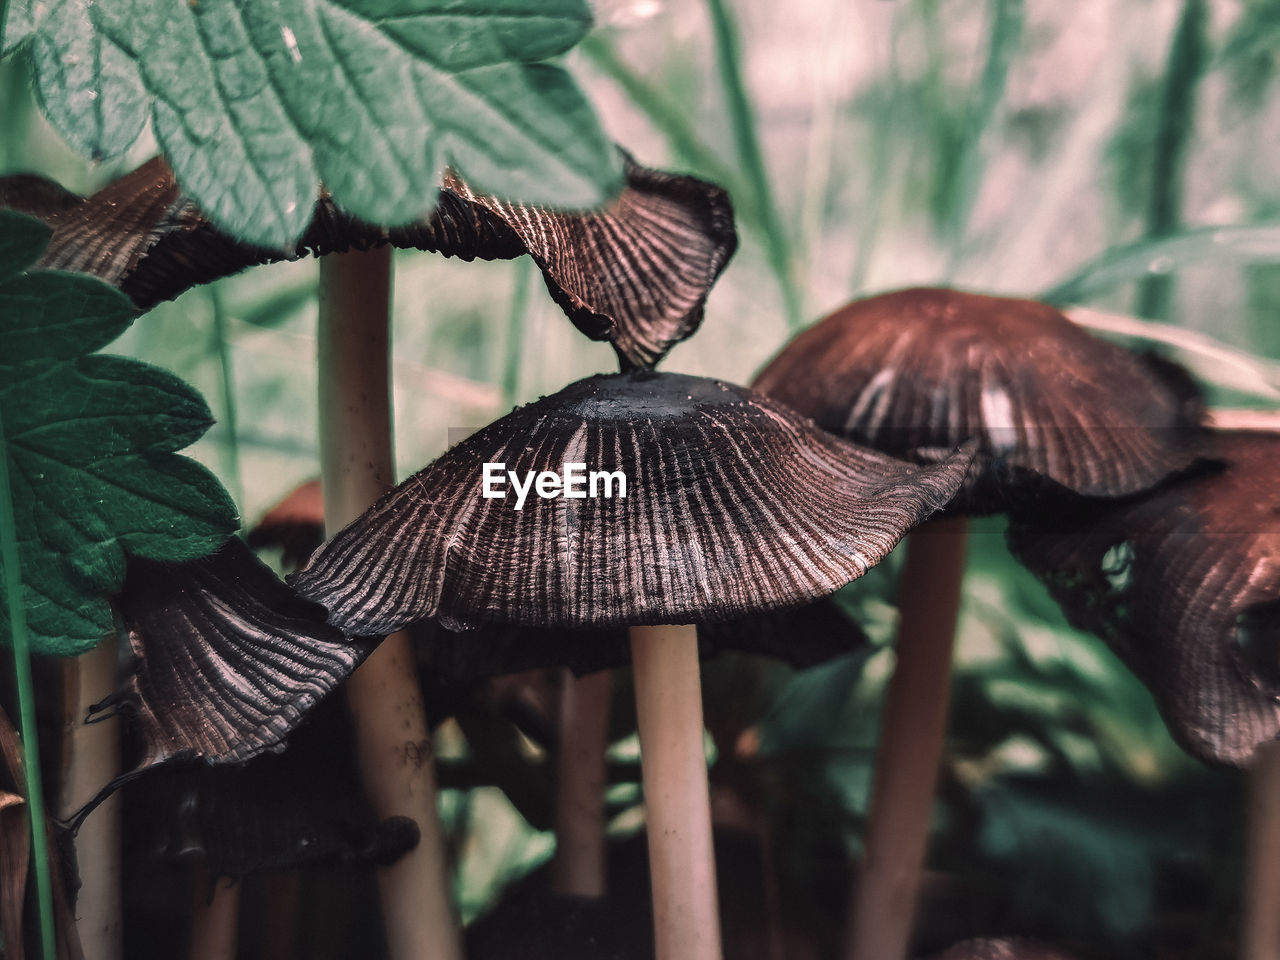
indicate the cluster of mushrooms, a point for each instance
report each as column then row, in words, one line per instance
column 744, row 508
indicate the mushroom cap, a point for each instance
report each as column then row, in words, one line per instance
column 802, row 637
column 927, row 368
column 302, row 808
column 635, row 273
column 227, row 660
column 734, row 505
column 1184, row 585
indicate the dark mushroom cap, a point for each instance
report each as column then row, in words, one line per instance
column 734, row 505
column 802, row 637
column 636, row 273
column 302, row 808
column 227, row 660
column 1185, row 586
column 928, row 368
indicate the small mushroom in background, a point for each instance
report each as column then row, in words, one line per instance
column 733, row 506
column 635, row 273
column 295, row 525
column 1184, row 585
column 1053, row 410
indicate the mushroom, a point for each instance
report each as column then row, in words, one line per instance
column 733, row 505
column 803, row 637
column 653, row 253
column 1184, row 585
column 635, row 273
column 1052, row 410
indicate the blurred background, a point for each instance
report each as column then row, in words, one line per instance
column 1119, row 155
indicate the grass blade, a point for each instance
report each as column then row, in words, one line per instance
column 1220, row 246
column 26, row 697
column 227, row 384
column 514, row 347
column 1176, row 120
column 1212, row 362
column 750, row 158
column 1002, row 43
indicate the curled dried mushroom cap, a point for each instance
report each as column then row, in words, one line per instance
column 928, row 368
column 636, row 273
column 734, row 505
column 227, row 660
column 1185, row 586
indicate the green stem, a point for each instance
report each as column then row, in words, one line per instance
column 751, row 158
column 1187, row 56
column 515, row 333
column 26, row 693
column 222, row 344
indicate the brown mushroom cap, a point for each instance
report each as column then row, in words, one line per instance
column 227, row 659
column 635, row 274
column 734, row 505
column 802, row 637
column 1185, row 586
column 928, row 368
column 302, row 808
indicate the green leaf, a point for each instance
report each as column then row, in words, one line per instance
column 256, row 104
column 91, row 441
column 21, row 240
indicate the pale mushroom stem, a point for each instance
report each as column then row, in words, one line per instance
column 215, row 920
column 1260, row 936
column 668, row 687
column 579, row 865
column 90, row 758
column 906, row 774
column 393, row 741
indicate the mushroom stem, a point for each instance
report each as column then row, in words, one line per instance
column 215, row 919
column 90, row 758
column 906, row 774
column 1260, row 937
column 579, row 865
column 686, row 916
column 392, row 738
